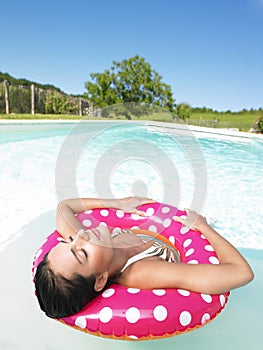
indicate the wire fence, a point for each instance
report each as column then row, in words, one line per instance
column 244, row 126
column 29, row 99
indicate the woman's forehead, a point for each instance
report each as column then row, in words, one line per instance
column 60, row 256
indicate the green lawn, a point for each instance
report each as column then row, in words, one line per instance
column 165, row 117
column 241, row 120
column 14, row 116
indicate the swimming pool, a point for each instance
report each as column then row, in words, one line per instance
column 218, row 174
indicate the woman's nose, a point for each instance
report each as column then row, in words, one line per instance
column 83, row 234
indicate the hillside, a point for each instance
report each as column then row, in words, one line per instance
column 24, row 82
column 51, row 102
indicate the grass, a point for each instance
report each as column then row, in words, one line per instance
column 14, row 116
column 242, row 120
column 166, row 117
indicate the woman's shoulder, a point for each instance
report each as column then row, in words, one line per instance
column 141, row 272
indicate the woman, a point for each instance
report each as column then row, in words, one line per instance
column 86, row 262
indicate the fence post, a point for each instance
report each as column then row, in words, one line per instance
column 5, row 83
column 32, row 99
column 80, row 107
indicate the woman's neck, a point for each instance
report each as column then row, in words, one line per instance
column 126, row 247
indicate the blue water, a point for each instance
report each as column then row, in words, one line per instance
column 219, row 175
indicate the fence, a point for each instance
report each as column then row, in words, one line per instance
column 29, row 99
column 215, row 123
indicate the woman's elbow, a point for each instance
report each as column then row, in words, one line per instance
column 250, row 275
column 247, row 275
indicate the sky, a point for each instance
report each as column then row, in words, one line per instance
column 209, row 51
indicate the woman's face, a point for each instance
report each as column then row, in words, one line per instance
column 85, row 253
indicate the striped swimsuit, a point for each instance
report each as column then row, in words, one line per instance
column 159, row 248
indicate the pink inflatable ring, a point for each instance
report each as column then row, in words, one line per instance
column 134, row 314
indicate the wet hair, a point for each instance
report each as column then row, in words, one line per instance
column 59, row 296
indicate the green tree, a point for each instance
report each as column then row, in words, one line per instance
column 58, row 103
column 132, row 80
column 183, row 111
column 259, row 124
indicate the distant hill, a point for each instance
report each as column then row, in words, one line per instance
column 13, row 81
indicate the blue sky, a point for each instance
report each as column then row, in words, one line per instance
column 210, row 52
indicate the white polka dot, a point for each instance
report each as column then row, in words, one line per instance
column 133, row 337
column 135, row 227
column 184, row 230
column 207, row 298
column 192, row 261
column 185, row 318
column 172, row 240
column 87, row 223
column 81, row 322
column 222, row 300
column 88, row 211
column 209, row 248
column 184, row 292
column 102, row 223
column 149, row 211
column 152, row 228
column 38, row 253
column 104, row 212
column 136, row 217
column 183, row 216
column 165, row 210
column 167, row 222
column 120, row 213
column 133, row 290
column 60, row 239
column 108, row 293
column 159, row 292
column 205, row 318
column 105, row 314
column 160, row 313
column 187, row 242
column 133, row 315
column 189, row 252
column 213, row 260
column 203, row 237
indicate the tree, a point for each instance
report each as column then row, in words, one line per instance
column 183, row 111
column 259, row 124
column 58, row 103
column 132, row 80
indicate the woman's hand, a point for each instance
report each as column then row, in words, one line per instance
column 192, row 220
column 67, row 223
column 130, row 204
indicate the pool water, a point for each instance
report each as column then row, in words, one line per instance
column 218, row 175
column 221, row 177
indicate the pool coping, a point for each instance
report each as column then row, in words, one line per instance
column 165, row 125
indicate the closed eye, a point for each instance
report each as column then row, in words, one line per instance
column 70, row 239
column 73, row 252
column 84, row 252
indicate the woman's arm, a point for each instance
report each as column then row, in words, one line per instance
column 232, row 272
column 226, row 252
column 67, row 223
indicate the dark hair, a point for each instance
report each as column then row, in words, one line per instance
column 59, row 296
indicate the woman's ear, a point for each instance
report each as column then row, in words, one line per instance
column 101, row 280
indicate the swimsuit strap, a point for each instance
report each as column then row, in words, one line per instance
column 157, row 249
